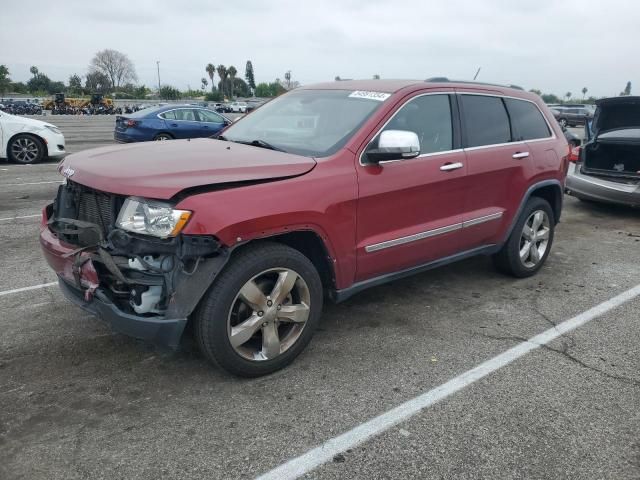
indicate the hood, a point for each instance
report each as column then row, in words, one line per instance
column 29, row 122
column 163, row 169
column 615, row 113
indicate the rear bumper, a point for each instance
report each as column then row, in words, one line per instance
column 157, row 330
column 601, row 190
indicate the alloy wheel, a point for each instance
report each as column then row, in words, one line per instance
column 25, row 150
column 268, row 314
column 534, row 240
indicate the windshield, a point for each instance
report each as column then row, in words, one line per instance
column 313, row 123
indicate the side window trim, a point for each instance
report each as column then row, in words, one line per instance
column 455, row 120
column 161, row 114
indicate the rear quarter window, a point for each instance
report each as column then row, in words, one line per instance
column 485, row 120
column 528, row 122
column 170, row 115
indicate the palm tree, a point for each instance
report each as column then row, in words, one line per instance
column 287, row 77
column 568, row 95
column 204, row 83
column 211, row 71
column 222, row 73
column 232, row 74
column 34, row 70
column 584, row 92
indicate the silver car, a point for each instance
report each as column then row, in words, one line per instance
column 608, row 166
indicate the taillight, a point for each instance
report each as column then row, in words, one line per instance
column 130, row 123
column 574, row 154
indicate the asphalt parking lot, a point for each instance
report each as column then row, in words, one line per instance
column 80, row 402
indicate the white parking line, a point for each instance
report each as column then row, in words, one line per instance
column 22, row 216
column 26, row 289
column 298, row 466
column 28, row 183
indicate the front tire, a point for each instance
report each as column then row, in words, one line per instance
column 25, row 149
column 530, row 242
column 261, row 312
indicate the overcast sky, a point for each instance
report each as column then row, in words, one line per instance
column 554, row 45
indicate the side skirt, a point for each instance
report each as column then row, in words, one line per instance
column 341, row 295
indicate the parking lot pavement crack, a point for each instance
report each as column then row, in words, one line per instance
column 564, row 352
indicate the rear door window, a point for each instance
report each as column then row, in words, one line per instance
column 186, row 114
column 528, row 122
column 170, row 115
column 207, row 116
column 485, row 120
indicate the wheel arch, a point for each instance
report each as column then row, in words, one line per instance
column 310, row 244
column 42, row 141
column 549, row 190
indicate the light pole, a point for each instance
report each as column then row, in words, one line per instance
column 158, row 64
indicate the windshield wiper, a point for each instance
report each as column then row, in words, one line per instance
column 261, row 144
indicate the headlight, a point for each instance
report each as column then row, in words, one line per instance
column 53, row 129
column 150, row 217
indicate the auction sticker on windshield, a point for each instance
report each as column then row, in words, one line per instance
column 379, row 96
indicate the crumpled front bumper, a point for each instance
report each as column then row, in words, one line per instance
column 158, row 330
column 79, row 281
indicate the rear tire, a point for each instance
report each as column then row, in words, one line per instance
column 25, row 149
column 162, row 137
column 563, row 122
column 248, row 323
column 530, row 242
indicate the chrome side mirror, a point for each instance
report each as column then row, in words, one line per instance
column 394, row 145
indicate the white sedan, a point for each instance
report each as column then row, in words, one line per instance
column 239, row 107
column 25, row 140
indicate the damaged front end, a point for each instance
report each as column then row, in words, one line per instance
column 143, row 286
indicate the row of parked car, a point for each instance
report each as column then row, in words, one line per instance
column 334, row 188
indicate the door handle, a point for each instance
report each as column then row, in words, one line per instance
column 519, row 155
column 447, row 167
column 174, row 124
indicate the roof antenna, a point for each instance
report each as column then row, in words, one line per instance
column 476, row 75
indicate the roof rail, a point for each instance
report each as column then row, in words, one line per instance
column 445, row 80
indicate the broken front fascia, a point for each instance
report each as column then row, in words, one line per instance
column 139, row 274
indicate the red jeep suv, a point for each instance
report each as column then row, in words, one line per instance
column 324, row 191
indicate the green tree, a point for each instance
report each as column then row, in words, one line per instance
column 34, row 70
column 627, row 89
column 97, row 82
column 18, row 87
column 167, row 92
column 568, row 96
column 56, row 87
column 248, row 75
column 584, row 92
column 141, row 92
column 75, row 84
column 262, row 90
column 211, row 71
column 39, row 83
column 241, row 88
column 536, row 91
column 376, row 77
column 204, row 83
column 5, row 81
column 550, row 98
column 213, row 97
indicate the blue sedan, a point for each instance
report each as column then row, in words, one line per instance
column 168, row 122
